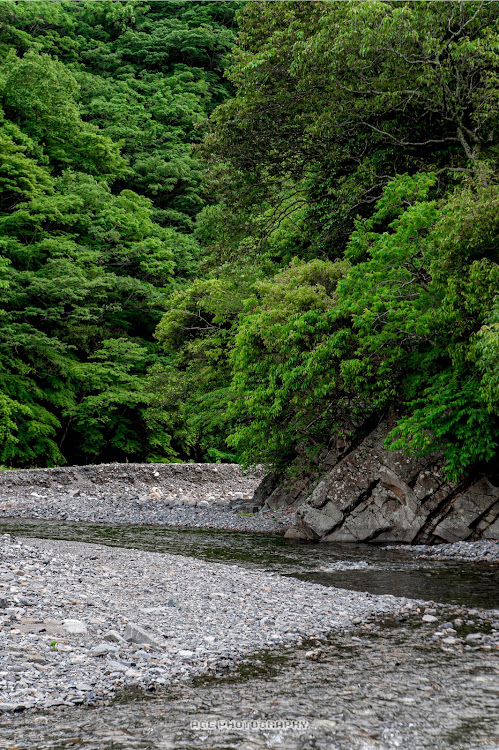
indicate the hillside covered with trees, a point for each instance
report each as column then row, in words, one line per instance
column 101, row 104
column 209, row 266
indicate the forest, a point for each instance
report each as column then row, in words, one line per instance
column 230, row 231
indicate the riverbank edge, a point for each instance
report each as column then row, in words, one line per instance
column 480, row 551
column 68, row 606
column 484, row 552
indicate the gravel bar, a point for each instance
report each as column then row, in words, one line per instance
column 483, row 551
column 82, row 621
column 207, row 496
column 273, row 522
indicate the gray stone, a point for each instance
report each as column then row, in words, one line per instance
column 74, row 626
column 318, row 521
column 136, row 634
column 84, row 687
column 474, row 637
column 101, row 650
column 492, row 532
column 466, row 507
column 429, row 618
column 47, row 627
column 314, row 655
column 116, row 666
column 269, row 483
column 113, row 636
column 53, row 702
column 295, row 534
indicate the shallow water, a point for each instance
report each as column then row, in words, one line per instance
column 362, row 567
column 378, row 688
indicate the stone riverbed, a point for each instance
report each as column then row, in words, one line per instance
column 81, row 621
column 212, row 496
column 386, row 684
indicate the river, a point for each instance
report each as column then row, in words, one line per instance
column 389, row 686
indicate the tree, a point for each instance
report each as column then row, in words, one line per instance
column 334, row 99
column 193, row 380
column 100, row 105
column 407, row 321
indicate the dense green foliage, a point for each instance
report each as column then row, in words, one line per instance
column 334, row 259
column 403, row 327
column 356, row 177
column 101, row 105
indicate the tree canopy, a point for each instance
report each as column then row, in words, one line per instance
column 101, row 105
column 231, row 231
column 356, row 176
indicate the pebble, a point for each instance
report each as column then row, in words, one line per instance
column 98, row 616
column 100, row 650
column 482, row 551
column 74, row 626
column 314, row 655
column 113, row 636
column 474, row 637
column 450, row 641
column 136, row 634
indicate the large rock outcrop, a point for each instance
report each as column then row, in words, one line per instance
column 367, row 493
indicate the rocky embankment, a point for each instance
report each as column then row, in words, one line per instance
column 363, row 492
column 188, row 495
column 81, row 621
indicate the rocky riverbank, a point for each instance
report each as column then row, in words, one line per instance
column 81, row 621
column 185, row 495
column 480, row 551
column 364, row 492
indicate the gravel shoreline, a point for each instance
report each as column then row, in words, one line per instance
column 205, row 496
column 66, row 608
column 276, row 522
column 483, row 551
